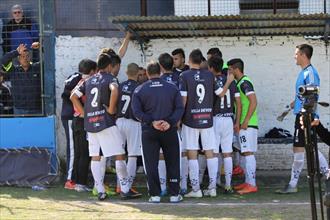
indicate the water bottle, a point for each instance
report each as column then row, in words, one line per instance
column 38, row 188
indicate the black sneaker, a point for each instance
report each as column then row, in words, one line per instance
column 102, row 196
column 130, row 195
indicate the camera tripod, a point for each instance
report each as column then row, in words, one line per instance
column 313, row 164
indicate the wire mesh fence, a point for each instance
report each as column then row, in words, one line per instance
column 237, row 7
column 21, row 73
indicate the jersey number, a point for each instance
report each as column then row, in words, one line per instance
column 227, row 97
column 200, row 91
column 94, row 92
column 126, row 99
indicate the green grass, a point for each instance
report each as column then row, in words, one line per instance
column 58, row 203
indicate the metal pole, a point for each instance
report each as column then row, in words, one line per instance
column 41, row 57
column 209, row 7
column 325, row 6
column 144, row 8
column 274, row 6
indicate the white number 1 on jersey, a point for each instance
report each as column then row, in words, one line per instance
column 222, row 102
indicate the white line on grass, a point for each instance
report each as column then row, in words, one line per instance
column 219, row 204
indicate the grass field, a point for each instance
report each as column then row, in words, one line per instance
column 58, row 203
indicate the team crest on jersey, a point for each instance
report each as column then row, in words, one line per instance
column 93, row 80
column 169, row 79
column 125, row 88
column 197, row 77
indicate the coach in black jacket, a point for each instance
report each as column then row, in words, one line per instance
column 159, row 106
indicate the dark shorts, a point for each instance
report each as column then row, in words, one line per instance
column 299, row 135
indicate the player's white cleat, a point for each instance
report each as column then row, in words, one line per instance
column 210, row 192
column 154, row 199
column 176, row 199
column 194, row 194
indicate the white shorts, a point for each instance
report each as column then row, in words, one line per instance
column 190, row 138
column 224, row 131
column 108, row 140
column 248, row 140
column 131, row 133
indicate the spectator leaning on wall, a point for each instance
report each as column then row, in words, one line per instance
column 19, row 30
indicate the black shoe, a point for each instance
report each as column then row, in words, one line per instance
column 102, row 196
column 130, row 195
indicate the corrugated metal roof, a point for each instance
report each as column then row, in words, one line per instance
column 238, row 25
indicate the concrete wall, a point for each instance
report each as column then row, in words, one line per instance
column 269, row 62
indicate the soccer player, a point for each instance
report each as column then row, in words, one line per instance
column 99, row 111
column 307, row 76
column 81, row 155
column 127, row 124
column 223, row 114
column 197, row 90
column 179, row 61
column 248, row 130
column 158, row 105
column 214, row 51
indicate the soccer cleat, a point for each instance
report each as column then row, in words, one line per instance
column 82, row 188
column 176, row 199
column 229, row 190
column 107, row 189
column 118, row 190
column 163, row 193
column 240, row 186
column 69, row 184
column 210, row 192
column 102, row 196
column 238, row 171
column 248, row 189
column 194, row 194
column 154, row 199
column 287, row 190
column 130, row 195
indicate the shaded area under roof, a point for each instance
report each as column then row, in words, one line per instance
column 239, row 25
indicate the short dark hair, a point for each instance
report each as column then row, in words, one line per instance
column 108, row 51
column 236, row 63
column 196, row 56
column 216, row 63
column 166, row 61
column 306, row 49
column 115, row 59
column 178, row 51
column 86, row 65
column 153, row 69
column 103, row 61
column 214, row 51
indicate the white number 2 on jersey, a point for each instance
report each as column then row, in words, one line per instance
column 200, row 91
column 94, row 92
column 126, row 99
column 227, row 96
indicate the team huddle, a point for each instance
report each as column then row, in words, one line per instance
column 179, row 113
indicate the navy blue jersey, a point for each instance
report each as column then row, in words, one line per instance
column 178, row 71
column 157, row 99
column 198, row 86
column 171, row 78
column 126, row 90
column 97, row 91
column 224, row 106
column 69, row 84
